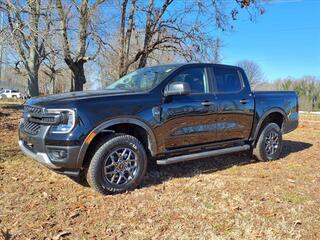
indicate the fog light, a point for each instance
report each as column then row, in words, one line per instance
column 57, row 154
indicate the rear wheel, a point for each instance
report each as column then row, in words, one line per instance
column 269, row 144
column 118, row 165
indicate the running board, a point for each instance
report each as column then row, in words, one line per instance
column 211, row 153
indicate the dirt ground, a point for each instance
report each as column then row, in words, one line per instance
column 227, row 197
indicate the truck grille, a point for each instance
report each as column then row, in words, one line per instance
column 33, row 109
column 31, row 127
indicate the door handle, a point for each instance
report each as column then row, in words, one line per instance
column 244, row 101
column 207, row 103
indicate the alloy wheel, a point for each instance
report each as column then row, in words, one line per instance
column 272, row 142
column 120, row 166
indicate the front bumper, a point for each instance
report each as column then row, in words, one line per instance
column 35, row 147
column 39, row 157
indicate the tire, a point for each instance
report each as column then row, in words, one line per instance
column 269, row 144
column 120, row 157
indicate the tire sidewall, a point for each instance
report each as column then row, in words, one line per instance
column 97, row 164
column 261, row 143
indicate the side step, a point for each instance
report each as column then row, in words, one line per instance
column 211, row 153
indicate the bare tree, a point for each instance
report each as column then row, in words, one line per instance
column 153, row 35
column 217, row 45
column 253, row 72
column 23, row 28
column 77, row 58
column 125, row 36
column 168, row 27
column 147, row 30
column 52, row 68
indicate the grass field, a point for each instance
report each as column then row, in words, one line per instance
column 227, row 197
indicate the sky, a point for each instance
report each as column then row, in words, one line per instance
column 285, row 41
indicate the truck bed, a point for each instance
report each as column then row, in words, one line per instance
column 286, row 102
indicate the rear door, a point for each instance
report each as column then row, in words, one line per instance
column 235, row 104
column 189, row 120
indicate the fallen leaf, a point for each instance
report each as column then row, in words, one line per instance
column 297, row 222
column 74, row 215
column 291, row 180
column 61, row 234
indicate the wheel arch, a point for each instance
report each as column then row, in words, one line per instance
column 272, row 115
column 107, row 128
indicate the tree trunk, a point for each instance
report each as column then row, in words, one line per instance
column 33, row 62
column 53, row 83
column 52, row 80
column 78, row 78
column 143, row 60
column 122, row 38
column 32, row 67
column 33, row 86
column 130, row 28
column 216, row 50
column 148, row 35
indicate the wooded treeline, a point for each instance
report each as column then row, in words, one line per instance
column 307, row 88
column 66, row 40
column 53, row 46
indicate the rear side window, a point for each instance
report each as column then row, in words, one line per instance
column 227, row 80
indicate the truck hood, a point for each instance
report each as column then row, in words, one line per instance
column 72, row 96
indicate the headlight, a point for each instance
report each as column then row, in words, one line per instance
column 68, row 117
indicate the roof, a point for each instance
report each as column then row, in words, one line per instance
column 193, row 64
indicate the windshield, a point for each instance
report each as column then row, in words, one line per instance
column 143, row 79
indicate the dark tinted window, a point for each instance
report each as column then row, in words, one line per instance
column 196, row 78
column 227, row 80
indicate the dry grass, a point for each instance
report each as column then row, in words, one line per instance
column 10, row 101
column 228, row 197
column 309, row 117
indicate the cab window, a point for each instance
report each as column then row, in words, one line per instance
column 196, row 78
column 227, row 80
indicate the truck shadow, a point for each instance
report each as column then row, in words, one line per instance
column 159, row 174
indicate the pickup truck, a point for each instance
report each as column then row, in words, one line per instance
column 8, row 93
column 167, row 114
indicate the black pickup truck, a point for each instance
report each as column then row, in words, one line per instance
column 168, row 114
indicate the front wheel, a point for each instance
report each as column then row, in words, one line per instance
column 118, row 165
column 269, row 144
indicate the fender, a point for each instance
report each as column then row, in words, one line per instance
column 102, row 128
column 264, row 116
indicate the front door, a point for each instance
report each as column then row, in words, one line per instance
column 189, row 120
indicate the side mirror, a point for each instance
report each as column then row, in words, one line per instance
column 177, row 88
